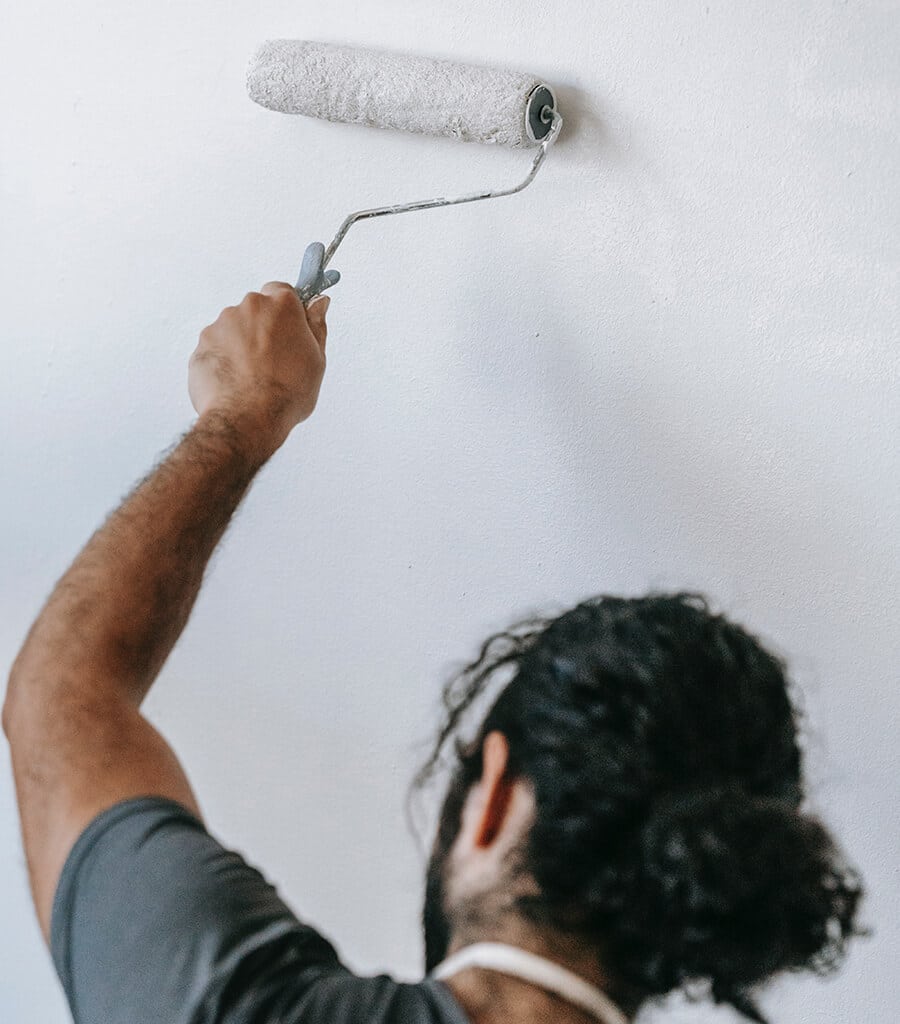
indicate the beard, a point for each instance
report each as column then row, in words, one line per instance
column 436, row 919
column 435, row 922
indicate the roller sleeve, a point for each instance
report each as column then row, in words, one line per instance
column 397, row 91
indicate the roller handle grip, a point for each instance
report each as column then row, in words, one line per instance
column 313, row 280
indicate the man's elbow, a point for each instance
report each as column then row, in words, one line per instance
column 20, row 691
column 10, row 702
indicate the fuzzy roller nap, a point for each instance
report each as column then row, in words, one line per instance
column 388, row 90
column 406, row 93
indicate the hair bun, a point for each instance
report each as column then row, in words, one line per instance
column 609, row 710
column 739, row 887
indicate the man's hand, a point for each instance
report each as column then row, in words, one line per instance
column 260, row 365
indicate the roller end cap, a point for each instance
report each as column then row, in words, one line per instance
column 538, row 113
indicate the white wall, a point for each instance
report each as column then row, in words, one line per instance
column 672, row 362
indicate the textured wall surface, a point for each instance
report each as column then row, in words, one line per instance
column 671, row 363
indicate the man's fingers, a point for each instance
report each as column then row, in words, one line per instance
column 315, row 315
column 276, row 288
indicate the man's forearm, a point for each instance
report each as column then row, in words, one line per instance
column 113, row 618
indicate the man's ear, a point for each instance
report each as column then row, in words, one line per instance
column 497, row 789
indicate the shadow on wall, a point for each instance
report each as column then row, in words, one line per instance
column 629, row 402
column 585, row 132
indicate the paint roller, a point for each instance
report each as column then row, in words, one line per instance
column 405, row 93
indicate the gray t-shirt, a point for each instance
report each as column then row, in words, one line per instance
column 155, row 922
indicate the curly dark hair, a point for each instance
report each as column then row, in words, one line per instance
column 661, row 743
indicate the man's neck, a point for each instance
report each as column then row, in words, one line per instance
column 488, row 997
column 492, row 997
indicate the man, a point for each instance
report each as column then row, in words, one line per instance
column 149, row 919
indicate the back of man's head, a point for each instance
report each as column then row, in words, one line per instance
column 659, row 744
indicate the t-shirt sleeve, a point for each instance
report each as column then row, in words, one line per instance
column 155, row 921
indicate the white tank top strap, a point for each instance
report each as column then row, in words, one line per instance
column 497, row 956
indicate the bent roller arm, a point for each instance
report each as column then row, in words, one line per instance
column 431, row 204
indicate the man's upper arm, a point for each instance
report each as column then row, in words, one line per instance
column 73, row 757
column 154, row 920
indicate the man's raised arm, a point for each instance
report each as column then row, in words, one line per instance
column 79, row 743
